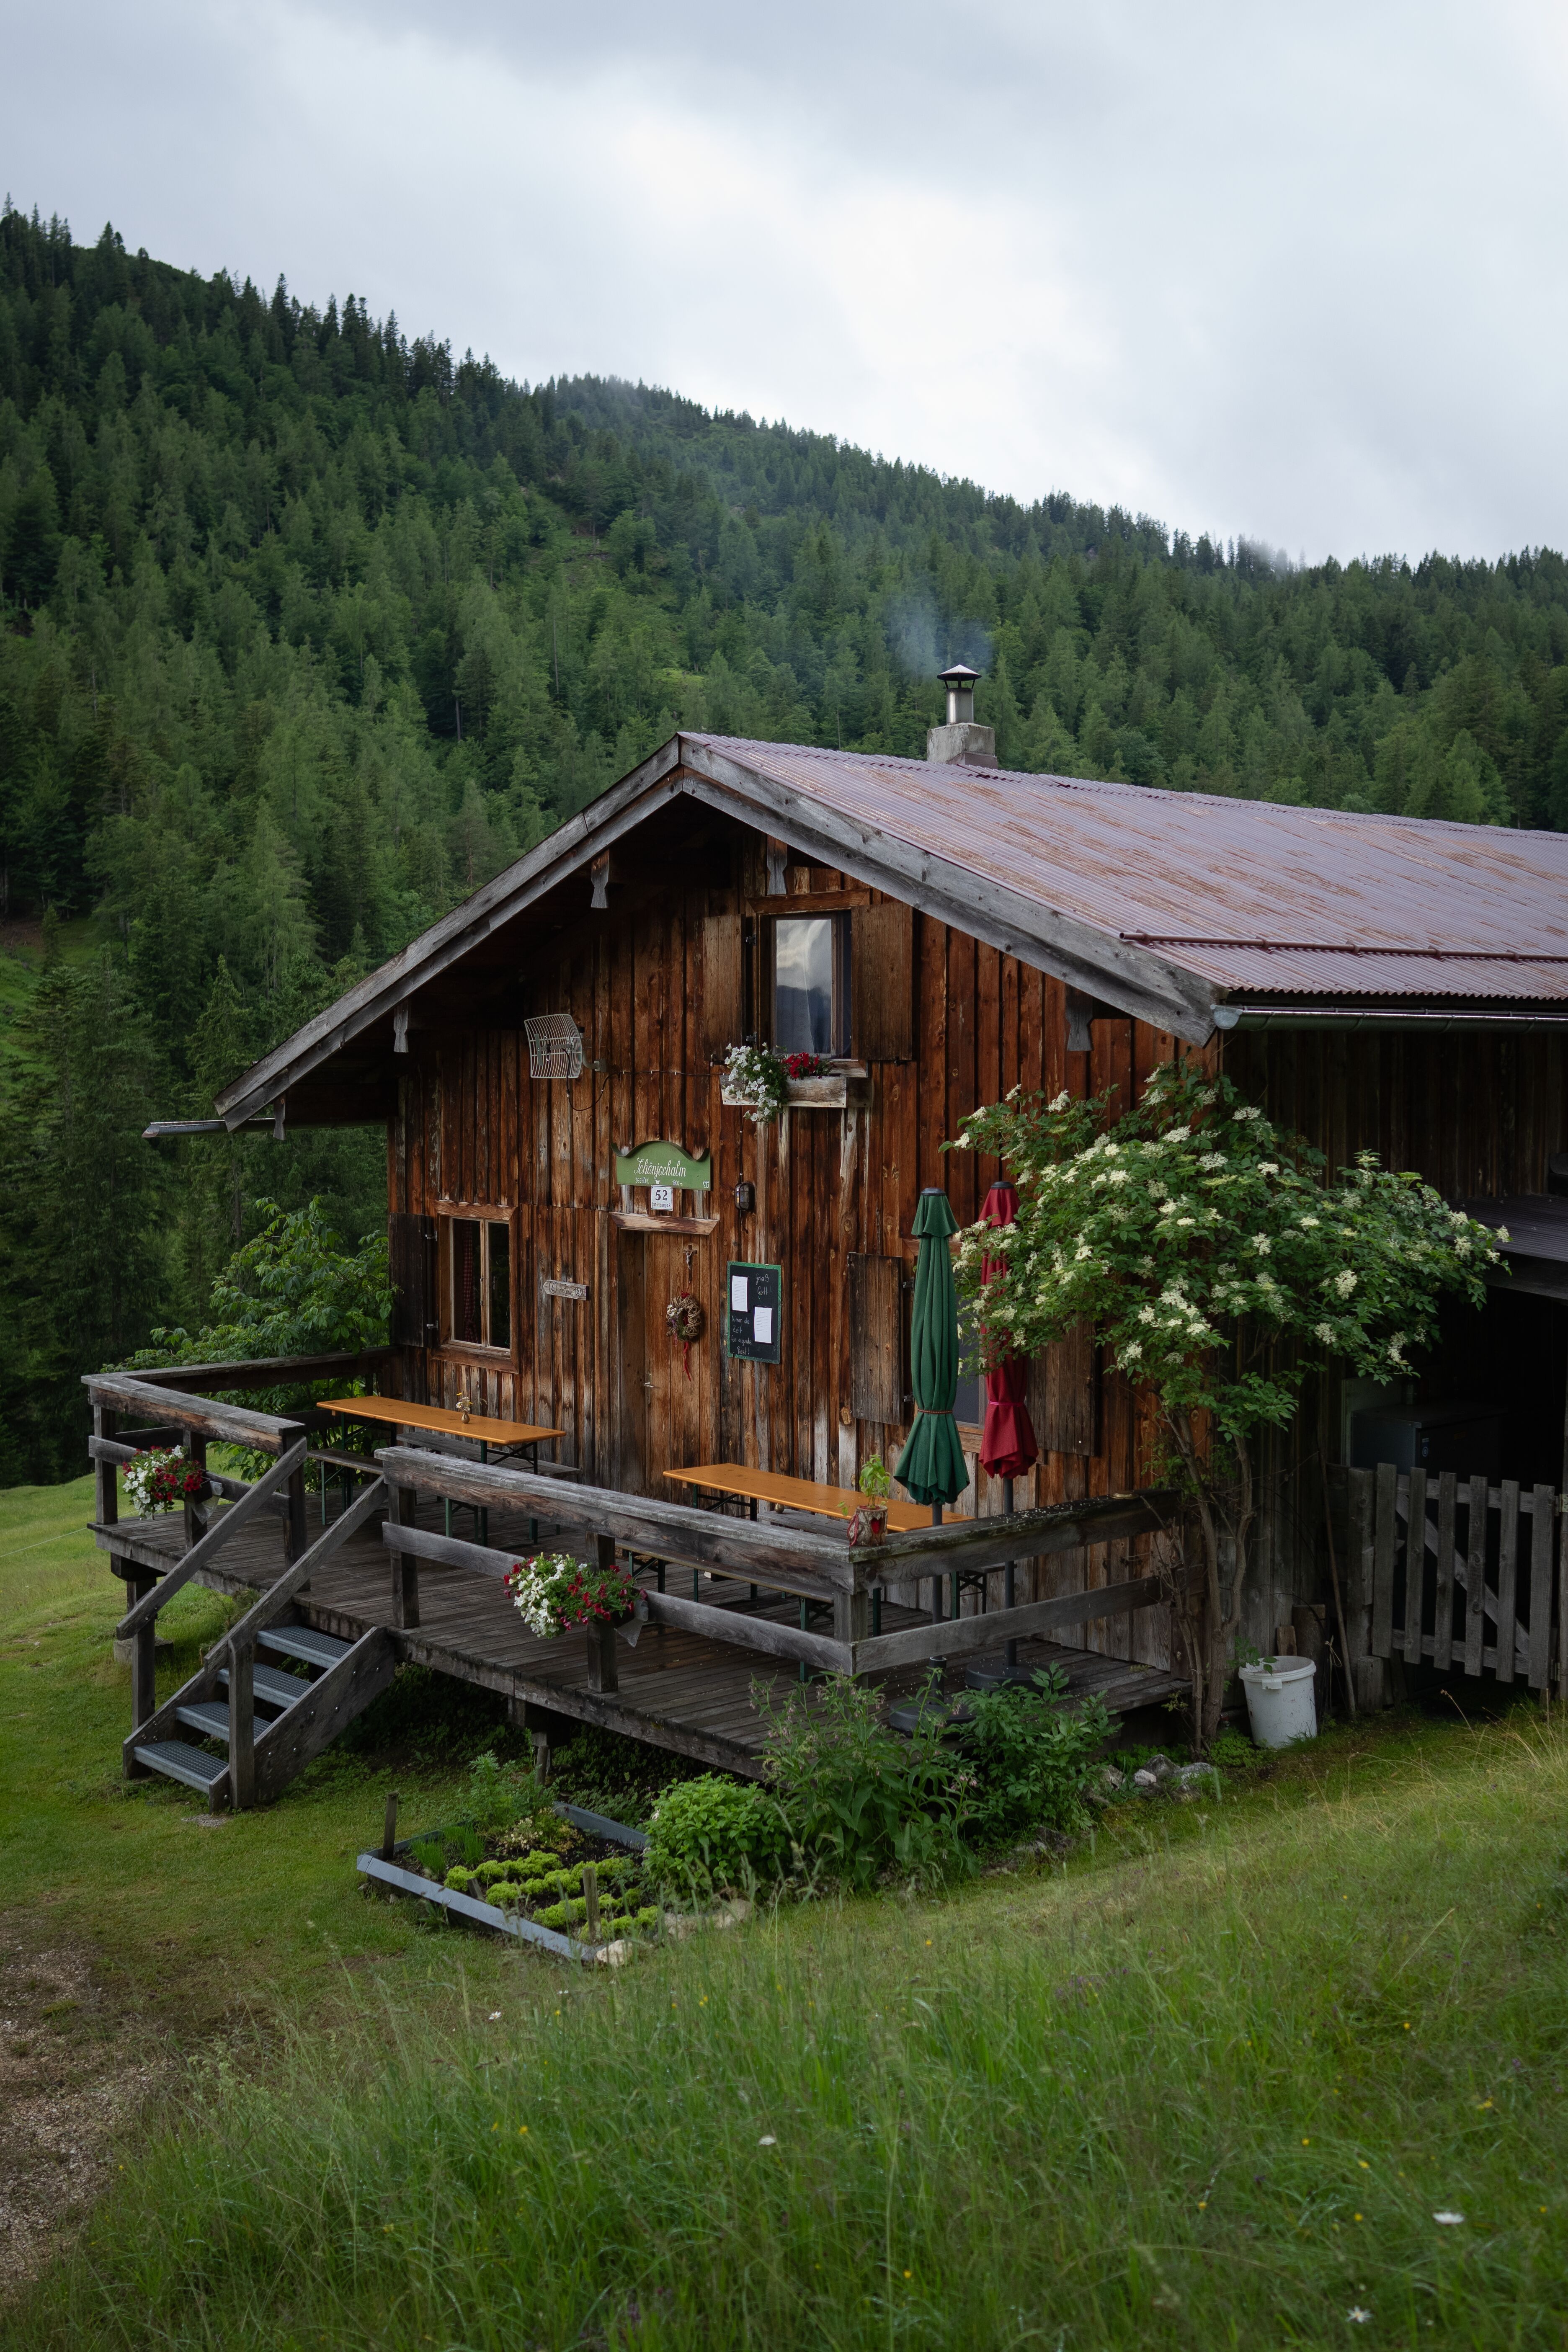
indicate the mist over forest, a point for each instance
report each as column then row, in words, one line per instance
column 310, row 628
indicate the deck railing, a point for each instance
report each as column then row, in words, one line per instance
column 814, row 1568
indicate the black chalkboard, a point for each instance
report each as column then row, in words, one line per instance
column 754, row 1296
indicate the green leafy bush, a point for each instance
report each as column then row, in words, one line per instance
column 461, row 1882
column 1033, row 1758
column 713, row 1833
column 860, row 1799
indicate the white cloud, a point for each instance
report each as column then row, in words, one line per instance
column 1288, row 273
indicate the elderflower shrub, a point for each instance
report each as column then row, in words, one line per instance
column 1223, row 1224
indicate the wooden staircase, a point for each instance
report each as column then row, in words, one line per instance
column 247, row 1697
column 293, row 1717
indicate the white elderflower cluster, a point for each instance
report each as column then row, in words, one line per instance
column 1344, row 1282
column 1325, row 1332
column 1249, row 1112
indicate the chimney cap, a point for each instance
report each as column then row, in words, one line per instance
column 959, row 674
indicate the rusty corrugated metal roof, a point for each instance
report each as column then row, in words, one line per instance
column 1252, row 896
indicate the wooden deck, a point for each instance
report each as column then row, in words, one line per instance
column 678, row 1690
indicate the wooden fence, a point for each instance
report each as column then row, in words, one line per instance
column 1482, row 1587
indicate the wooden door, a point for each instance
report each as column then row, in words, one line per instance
column 668, row 1403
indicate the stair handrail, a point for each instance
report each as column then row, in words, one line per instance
column 279, row 1593
column 200, row 1554
column 203, row 1684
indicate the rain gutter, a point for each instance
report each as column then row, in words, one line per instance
column 1380, row 1018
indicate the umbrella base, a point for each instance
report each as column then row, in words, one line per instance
column 995, row 1674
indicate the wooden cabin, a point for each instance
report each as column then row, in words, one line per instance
column 562, row 1163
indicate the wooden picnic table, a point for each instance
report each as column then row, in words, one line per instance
column 794, row 1494
column 797, row 1495
column 487, row 1429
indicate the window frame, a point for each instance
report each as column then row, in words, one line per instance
column 801, row 910
column 486, row 1214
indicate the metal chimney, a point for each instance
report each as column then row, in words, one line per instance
column 962, row 743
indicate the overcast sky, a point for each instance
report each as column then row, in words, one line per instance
column 1291, row 271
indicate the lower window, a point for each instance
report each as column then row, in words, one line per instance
column 479, row 1281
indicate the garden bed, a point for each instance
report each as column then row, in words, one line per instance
column 526, row 1880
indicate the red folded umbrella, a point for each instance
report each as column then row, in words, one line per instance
column 1007, row 1447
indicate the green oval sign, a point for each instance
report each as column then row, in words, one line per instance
column 665, row 1163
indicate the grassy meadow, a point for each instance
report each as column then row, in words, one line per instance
column 1211, row 2082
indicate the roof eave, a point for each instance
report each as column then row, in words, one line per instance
column 571, row 847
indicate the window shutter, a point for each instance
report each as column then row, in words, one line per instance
column 411, row 1262
column 876, row 1337
column 881, row 981
column 721, row 1015
column 1064, row 1395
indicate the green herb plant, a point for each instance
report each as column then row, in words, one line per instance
column 714, row 1832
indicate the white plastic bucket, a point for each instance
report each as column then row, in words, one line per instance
column 1281, row 1701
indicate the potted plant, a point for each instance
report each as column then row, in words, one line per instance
column 157, row 1481
column 868, row 1524
column 553, row 1591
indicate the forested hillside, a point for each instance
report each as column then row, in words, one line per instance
column 308, row 628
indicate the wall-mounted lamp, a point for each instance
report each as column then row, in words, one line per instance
column 745, row 1197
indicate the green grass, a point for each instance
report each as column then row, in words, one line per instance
column 194, row 1928
column 1207, row 2085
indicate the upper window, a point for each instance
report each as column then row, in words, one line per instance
column 479, row 1282
column 811, row 985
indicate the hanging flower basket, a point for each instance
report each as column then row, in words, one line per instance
column 553, row 1591
column 686, row 1319
column 158, row 1480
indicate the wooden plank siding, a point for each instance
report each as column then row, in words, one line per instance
column 658, row 983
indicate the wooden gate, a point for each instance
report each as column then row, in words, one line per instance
column 1472, row 1576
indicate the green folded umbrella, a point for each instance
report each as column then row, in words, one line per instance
column 931, row 1469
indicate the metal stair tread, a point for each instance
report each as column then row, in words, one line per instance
column 178, row 1760
column 304, row 1642
column 210, row 1717
column 272, row 1685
